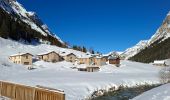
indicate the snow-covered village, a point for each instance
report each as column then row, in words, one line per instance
column 37, row 64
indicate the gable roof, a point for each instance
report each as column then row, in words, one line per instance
column 46, row 53
column 82, row 66
column 71, row 54
column 21, row 54
column 113, row 57
column 85, row 56
column 67, row 54
column 93, row 66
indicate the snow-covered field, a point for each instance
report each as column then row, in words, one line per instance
column 77, row 85
column 159, row 93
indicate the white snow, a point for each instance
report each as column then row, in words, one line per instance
column 159, row 62
column 159, row 93
column 135, row 49
column 19, row 54
column 77, row 85
column 4, row 98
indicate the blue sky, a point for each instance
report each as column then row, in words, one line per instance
column 105, row 25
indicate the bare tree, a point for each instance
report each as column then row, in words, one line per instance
column 164, row 75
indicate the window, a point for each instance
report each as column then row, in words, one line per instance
column 26, row 57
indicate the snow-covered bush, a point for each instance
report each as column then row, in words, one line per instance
column 164, row 75
column 5, row 64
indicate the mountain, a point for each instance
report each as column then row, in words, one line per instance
column 163, row 31
column 17, row 23
column 135, row 49
column 113, row 53
column 157, row 47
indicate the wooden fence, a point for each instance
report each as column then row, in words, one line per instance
column 22, row 92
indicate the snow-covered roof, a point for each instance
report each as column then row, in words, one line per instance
column 82, row 66
column 92, row 66
column 66, row 54
column 85, row 56
column 45, row 53
column 98, row 57
column 159, row 62
column 20, row 54
column 112, row 57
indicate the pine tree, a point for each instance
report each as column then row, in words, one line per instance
column 74, row 47
column 4, row 30
column 93, row 52
column 84, row 49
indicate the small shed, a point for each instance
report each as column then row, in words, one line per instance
column 92, row 68
column 159, row 63
column 114, row 60
column 82, row 67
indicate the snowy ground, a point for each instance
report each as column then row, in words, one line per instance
column 159, row 93
column 4, row 98
column 77, row 85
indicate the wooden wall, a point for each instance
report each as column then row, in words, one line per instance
column 22, row 92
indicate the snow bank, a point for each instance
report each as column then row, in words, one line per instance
column 159, row 93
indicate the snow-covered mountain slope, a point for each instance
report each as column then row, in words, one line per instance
column 160, row 36
column 163, row 31
column 135, row 49
column 76, row 85
column 159, row 93
column 10, row 47
column 16, row 10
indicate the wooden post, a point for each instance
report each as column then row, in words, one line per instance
column 33, row 97
column 8, row 90
column 0, row 88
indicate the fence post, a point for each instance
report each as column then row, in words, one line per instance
column 0, row 88
column 8, row 90
column 33, row 98
column 63, row 98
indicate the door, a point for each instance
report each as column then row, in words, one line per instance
column 26, row 63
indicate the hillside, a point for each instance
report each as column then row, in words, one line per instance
column 60, row 75
column 19, row 24
column 135, row 49
column 157, row 47
column 156, row 51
